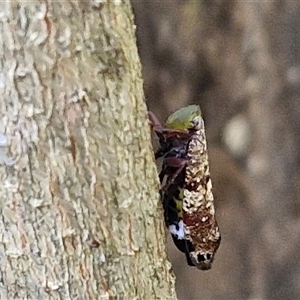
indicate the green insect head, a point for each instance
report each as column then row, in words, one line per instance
column 186, row 118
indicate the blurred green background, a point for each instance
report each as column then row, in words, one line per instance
column 240, row 60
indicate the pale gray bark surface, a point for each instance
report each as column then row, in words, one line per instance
column 80, row 215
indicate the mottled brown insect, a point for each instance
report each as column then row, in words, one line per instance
column 186, row 186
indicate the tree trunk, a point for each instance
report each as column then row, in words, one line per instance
column 80, row 212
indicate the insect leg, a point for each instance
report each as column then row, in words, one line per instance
column 179, row 164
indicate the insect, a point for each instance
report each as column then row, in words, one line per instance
column 186, row 187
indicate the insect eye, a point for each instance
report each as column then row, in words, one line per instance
column 196, row 123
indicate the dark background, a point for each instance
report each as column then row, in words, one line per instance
column 240, row 60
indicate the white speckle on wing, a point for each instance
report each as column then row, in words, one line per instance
column 178, row 230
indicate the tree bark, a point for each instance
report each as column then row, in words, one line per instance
column 80, row 211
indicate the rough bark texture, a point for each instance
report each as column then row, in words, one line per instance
column 80, row 216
